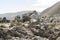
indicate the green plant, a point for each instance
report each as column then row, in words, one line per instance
column 11, row 24
column 2, row 26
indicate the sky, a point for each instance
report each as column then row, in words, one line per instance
column 7, row 6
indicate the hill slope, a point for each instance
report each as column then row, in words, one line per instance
column 11, row 16
column 52, row 11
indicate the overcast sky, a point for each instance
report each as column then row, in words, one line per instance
column 24, row 5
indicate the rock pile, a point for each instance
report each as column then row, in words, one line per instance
column 19, row 33
column 35, row 33
column 32, row 29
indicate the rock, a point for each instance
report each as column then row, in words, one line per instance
column 1, row 38
column 29, row 32
column 17, row 32
column 39, row 38
column 15, row 38
column 20, row 32
column 58, row 38
column 8, row 36
column 2, row 34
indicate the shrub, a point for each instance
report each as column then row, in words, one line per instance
column 2, row 26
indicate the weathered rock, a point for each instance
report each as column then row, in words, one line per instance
column 58, row 38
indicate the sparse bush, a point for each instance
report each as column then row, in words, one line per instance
column 26, row 18
column 17, row 23
column 2, row 26
column 11, row 24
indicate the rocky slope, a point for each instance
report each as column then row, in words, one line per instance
column 35, row 28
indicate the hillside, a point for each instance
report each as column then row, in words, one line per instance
column 11, row 16
column 52, row 11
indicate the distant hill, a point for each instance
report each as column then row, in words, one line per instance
column 11, row 16
column 52, row 11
